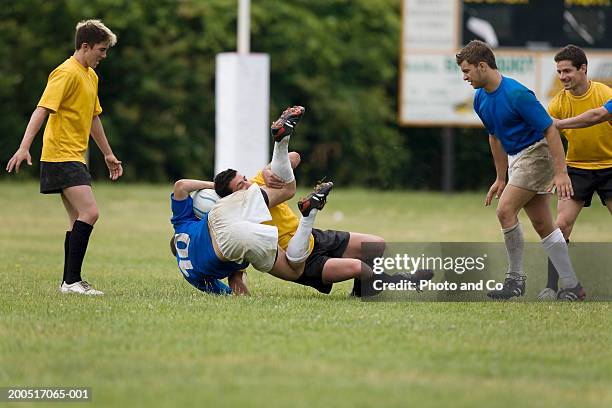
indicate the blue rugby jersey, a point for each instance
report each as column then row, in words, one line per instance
column 195, row 253
column 512, row 114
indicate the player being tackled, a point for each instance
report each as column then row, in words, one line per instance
column 315, row 200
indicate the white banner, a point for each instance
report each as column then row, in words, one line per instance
column 433, row 92
column 430, row 24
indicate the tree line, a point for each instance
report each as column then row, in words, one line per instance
column 339, row 58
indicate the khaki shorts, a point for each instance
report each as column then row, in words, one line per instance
column 235, row 223
column 531, row 168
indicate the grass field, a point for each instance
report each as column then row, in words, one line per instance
column 152, row 340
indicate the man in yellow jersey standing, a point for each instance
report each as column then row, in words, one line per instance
column 70, row 99
column 589, row 151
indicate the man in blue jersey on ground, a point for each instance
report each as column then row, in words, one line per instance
column 231, row 236
column 522, row 139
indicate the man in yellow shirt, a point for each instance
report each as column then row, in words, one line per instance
column 70, row 99
column 589, row 151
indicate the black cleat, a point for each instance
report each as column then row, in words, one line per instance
column 365, row 288
column 514, row 286
column 287, row 122
column 421, row 275
column 316, row 199
column 577, row 293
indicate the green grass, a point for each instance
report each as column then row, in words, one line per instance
column 152, row 340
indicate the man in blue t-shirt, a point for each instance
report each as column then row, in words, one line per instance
column 522, row 139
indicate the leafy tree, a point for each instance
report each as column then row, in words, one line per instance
column 336, row 57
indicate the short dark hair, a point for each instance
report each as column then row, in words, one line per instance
column 93, row 32
column 475, row 52
column 222, row 181
column 574, row 54
column 173, row 246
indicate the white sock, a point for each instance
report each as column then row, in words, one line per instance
column 297, row 250
column 556, row 248
column 513, row 237
column 281, row 165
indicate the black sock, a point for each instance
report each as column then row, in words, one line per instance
column 553, row 275
column 356, row 288
column 370, row 251
column 79, row 238
column 66, row 252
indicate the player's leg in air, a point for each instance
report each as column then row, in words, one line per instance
column 289, row 264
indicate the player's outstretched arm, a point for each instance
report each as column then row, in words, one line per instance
column 115, row 170
column 23, row 153
column 585, row 119
column 183, row 187
column 500, row 160
column 561, row 179
column 277, row 196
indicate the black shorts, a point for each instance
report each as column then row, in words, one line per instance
column 586, row 182
column 54, row 177
column 327, row 244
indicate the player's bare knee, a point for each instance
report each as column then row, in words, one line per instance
column 542, row 227
column 501, row 215
column 378, row 244
column 565, row 226
column 90, row 215
column 295, row 159
column 505, row 215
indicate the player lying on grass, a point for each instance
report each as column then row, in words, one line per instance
column 333, row 256
column 229, row 237
column 330, row 256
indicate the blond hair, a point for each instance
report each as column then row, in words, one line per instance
column 93, row 32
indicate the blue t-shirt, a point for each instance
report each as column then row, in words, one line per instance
column 608, row 106
column 512, row 114
column 195, row 253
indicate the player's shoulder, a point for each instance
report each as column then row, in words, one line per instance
column 600, row 85
column 601, row 89
column 66, row 71
column 516, row 93
column 512, row 88
column 512, row 84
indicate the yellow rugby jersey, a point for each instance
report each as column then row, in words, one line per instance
column 589, row 148
column 72, row 95
column 284, row 219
